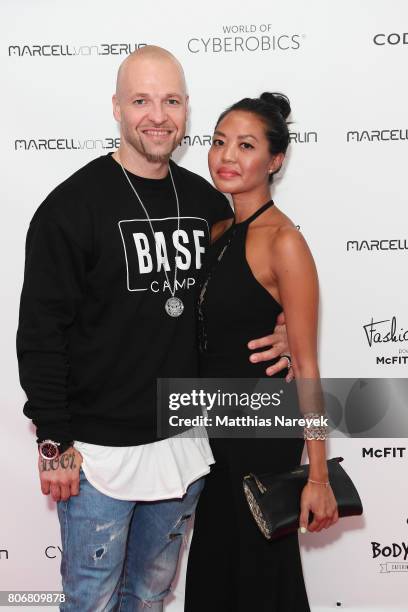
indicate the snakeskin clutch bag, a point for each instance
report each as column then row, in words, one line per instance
column 274, row 499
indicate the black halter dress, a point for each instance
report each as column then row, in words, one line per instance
column 231, row 566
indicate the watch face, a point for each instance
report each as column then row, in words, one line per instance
column 48, row 450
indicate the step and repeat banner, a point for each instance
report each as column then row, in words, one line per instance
column 343, row 66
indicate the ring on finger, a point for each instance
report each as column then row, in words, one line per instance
column 287, row 357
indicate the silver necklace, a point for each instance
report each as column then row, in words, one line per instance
column 173, row 306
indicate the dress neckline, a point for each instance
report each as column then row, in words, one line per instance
column 256, row 214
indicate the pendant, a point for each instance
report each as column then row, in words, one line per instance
column 174, row 307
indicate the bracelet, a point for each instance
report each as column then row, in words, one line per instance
column 314, row 432
column 326, row 484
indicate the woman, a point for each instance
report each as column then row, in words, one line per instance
column 259, row 265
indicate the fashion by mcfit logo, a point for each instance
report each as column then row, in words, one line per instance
column 387, row 332
column 246, row 38
column 65, row 144
column 384, row 330
column 68, row 50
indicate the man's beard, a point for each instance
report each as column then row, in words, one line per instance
column 157, row 157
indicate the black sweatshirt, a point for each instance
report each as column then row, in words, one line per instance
column 93, row 333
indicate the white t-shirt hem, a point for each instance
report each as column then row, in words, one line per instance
column 178, row 494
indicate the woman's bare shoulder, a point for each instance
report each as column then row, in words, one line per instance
column 284, row 237
column 281, row 229
column 289, row 250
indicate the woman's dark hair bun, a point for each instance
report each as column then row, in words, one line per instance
column 279, row 101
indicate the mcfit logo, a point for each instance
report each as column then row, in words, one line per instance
column 395, row 452
column 247, row 38
column 67, row 50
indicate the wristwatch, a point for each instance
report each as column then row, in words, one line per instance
column 49, row 449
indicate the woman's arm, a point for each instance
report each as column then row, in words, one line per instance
column 297, row 281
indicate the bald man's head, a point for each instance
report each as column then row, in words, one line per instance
column 151, row 103
column 154, row 54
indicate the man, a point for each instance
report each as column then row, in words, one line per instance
column 107, row 307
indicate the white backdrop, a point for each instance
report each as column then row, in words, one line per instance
column 343, row 65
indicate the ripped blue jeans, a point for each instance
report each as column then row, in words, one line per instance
column 120, row 555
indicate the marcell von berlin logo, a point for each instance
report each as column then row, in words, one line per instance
column 69, row 50
column 377, row 135
column 302, row 137
column 192, row 140
column 384, row 244
column 65, row 144
column 202, row 140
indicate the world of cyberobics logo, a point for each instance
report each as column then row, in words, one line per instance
column 245, row 38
